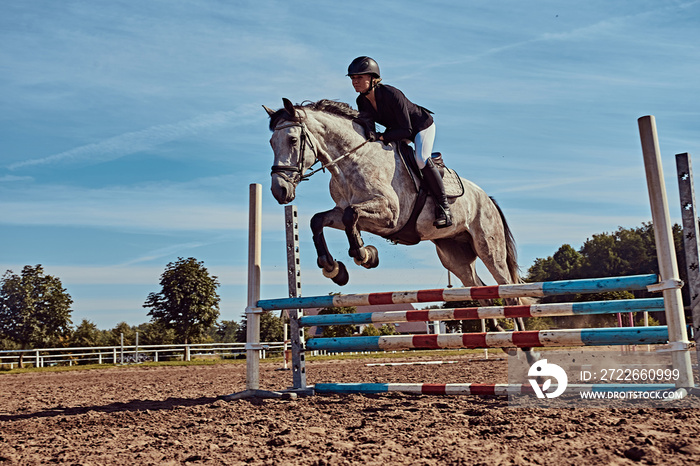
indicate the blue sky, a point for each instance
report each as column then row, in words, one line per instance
column 130, row 131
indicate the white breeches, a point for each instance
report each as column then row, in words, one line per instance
column 424, row 145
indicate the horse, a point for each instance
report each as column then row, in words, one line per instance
column 374, row 192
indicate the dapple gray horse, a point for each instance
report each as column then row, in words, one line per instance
column 374, row 192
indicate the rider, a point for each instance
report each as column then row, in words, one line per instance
column 388, row 106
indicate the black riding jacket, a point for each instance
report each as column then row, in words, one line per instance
column 402, row 118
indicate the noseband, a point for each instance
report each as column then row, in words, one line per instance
column 295, row 173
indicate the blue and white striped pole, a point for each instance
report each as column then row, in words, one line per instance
column 521, row 290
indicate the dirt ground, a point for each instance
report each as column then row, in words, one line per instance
column 171, row 416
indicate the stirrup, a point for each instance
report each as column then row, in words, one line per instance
column 443, row 217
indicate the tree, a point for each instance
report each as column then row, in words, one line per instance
column 154, row 333
column 87, row 334
column 35, row 309
column 226, row 331
column 564, row 264
column 370, row 330
column 335, row 331
column 388, row 329
column 627, row 251
column 188, row 302
column 461, row 326
column 271, row 328
column 114, row 336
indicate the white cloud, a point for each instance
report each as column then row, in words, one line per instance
column 139, row 215
column 136, row 141
column 201, row 204
column 13, row 179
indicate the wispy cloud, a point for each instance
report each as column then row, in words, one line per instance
column 202, row 204
column 164, row 252
column 136, row 141
column 13, row 179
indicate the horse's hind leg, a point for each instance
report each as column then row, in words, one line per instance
column 494, row 256
column 366, row 256
column 459, row 257
column 335, row 270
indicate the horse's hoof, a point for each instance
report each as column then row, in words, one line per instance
column 371, row 257
column 327, row 264
column 358, row 255
column 329, row 270
column 360, row 261
column 367, row 257
column 342, row 277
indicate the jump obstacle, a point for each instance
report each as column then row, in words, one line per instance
column 674, row 334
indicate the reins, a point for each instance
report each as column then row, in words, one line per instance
column 299, row 167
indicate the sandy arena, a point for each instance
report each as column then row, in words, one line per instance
column 171, row 416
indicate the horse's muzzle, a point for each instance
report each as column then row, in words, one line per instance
column 283, row 191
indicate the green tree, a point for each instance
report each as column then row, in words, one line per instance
column 155, row 333
column 188, row 302
column 388, row 329
column 86, row 335
column 227, row 331
column 370, row 330
column 627, row 251
column 472, row 326
column 564, row 264
column 113, row 336
column 271, row 328
column 6, row 344
column 35, row 309
column 336, row 331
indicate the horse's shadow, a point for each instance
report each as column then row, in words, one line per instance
column 131, row 406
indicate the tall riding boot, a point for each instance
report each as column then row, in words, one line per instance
column 433, row 180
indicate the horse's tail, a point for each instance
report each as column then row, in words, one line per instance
column 511, row 251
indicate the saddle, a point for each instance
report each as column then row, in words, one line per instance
column 454, row 188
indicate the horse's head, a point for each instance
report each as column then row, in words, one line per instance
column 294, row 151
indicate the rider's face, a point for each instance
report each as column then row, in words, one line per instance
column 361, row 82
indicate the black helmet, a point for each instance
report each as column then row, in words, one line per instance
column 364, row 65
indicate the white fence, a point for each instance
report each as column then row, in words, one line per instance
column 44, row 357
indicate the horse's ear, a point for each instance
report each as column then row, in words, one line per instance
column 288, row 106
column 269, row 111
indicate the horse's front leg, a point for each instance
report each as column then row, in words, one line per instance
column 366, row 256
column 335, row 270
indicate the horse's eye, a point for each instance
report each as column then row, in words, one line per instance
column 293, row 141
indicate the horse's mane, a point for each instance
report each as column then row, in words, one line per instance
column 324, row 105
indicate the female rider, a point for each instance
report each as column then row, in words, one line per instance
column 402, row 119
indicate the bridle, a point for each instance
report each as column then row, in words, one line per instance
column 297, row 171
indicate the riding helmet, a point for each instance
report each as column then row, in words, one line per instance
column 364, row 65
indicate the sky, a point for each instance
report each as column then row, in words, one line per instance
column 131, row 131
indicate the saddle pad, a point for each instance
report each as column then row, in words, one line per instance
column 453, row 183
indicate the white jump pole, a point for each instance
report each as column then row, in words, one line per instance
column 668, row 267
column 252, row 312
